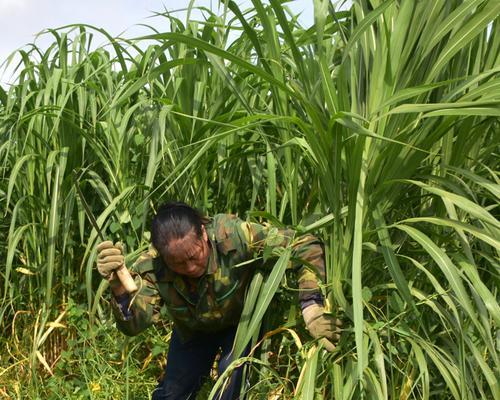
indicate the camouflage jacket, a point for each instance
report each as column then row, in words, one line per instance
column 217, row 300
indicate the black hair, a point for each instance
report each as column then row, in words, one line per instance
column 174, row 220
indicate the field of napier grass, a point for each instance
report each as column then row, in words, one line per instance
column 376, row 128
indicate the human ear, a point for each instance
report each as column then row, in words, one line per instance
column 204, row 234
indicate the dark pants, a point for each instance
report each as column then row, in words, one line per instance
column 189, row 364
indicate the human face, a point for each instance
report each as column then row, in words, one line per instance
column 188, row 256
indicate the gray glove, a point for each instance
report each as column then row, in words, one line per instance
column 109, row 258
column 322, row 325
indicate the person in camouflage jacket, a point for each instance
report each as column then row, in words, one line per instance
column 200, row 270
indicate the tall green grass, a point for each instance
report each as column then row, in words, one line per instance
column 376, row 128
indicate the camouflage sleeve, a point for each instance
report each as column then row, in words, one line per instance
column 307, row 254
column 143, row 307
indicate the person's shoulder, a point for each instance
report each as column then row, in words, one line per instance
column 228, row 223
column 227, row 229
column 146, row 261
column 225, row 217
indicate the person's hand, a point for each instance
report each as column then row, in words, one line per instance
column 109, row 258
column 322, row 326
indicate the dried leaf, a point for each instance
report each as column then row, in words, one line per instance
column 24, row 271
column 56, row 325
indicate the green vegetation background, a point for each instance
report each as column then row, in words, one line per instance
column 376, row 128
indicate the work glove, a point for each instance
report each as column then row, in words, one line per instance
column 109, row 258
column 322, row 325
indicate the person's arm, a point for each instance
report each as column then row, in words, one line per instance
column 133, row 312
column 308, row 257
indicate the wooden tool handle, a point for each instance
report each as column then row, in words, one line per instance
column 126, row 279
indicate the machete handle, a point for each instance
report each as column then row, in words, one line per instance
column 126, row 279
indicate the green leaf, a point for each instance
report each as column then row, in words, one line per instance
column 262, row 301
column 446, row 265
column 114, row 227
